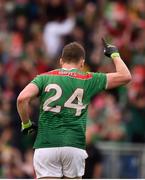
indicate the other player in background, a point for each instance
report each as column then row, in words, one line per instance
column 64, row 97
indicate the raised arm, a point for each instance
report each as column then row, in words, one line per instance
column 29, row 92
column 122, row 75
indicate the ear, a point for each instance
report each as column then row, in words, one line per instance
column 61, row 61
column 82, row 63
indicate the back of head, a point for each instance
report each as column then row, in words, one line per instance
column 73, row 53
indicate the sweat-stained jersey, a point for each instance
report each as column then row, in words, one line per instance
column 64, row 98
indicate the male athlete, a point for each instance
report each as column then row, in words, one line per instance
column 64, row 97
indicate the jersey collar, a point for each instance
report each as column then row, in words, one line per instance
column 68, row 69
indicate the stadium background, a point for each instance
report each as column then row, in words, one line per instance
column 32, row 35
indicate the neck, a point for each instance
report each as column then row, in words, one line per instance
column 70, row 66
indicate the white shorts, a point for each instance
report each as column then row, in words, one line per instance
column 59, row 162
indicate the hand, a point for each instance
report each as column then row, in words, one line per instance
column 29, row 129
column 110, row 50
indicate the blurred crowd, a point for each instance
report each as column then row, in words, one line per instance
column 32, row 35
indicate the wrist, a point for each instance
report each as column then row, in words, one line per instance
column 115, row 55
column 26, row 125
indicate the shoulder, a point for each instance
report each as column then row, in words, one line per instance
column 92, row 74
column 98, row 74
column 53, row 72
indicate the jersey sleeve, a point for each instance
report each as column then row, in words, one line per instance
column 98, row 83
column 38, row 81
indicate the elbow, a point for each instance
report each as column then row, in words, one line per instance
column 21, row 99
column 127, row 78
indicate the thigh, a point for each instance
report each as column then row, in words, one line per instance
column 73, row 161
column 47, row 163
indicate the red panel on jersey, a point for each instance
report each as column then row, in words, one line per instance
column 71, row 74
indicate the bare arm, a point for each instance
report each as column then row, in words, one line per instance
column 29, row 92
column 120, row 77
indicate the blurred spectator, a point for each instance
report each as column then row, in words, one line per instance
column 136, row 110
column 113, row 127
column 52, row 35
column 94, row 162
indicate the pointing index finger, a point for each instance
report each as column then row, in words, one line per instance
column 104, row 42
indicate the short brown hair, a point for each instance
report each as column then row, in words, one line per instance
column 73, row 52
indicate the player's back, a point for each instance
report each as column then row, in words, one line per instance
column 64, row 98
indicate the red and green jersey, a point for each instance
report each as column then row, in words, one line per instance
column 64, row 98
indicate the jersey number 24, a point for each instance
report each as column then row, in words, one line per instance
column 77, row 94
